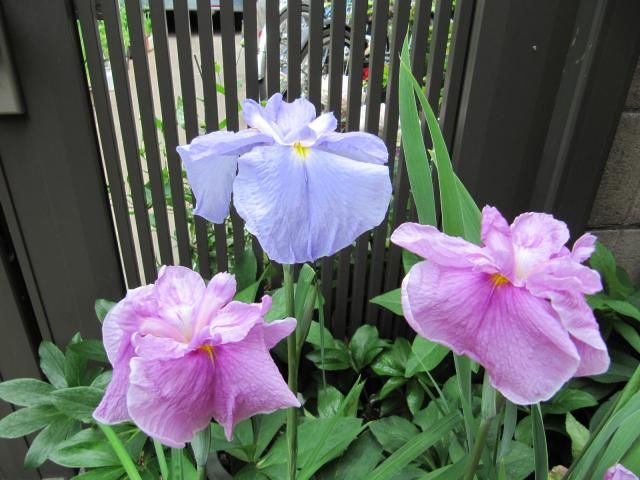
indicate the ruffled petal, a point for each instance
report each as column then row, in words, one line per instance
column 309, row 135
column 171, row 399
column 212, row 145
column 360, row 146
column 514, row 335
column 152, row 347
column 430, row 243
column 304, row 207
column 277, row 330
column 234, row 322
column 619, row 472
column 219, row 292
column 536, row 238
column 294, row 117
column 583, row 247
column 247, row 382
column 496, row 236
column 113, row 406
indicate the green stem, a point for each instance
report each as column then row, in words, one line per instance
column 121, row 452
column 200, row 472
column 162, row 460
column 292, row 413
column 478, row 447
column 463, row 375
column 177, row 471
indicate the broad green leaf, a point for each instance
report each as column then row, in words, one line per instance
column 425, row 356
column 245, row 269
column 414, row 448
column 75, row 364
column 604, row 262
column 236, row 448
column 416, row 160
column 102, row 381
column 390, row 386
column 314, row 336
column 519, row 461
column 89, row 454
column 77, row 402
column 305, row 319
column 329, row 400
column 539, row 444
column 104, row 473
column 102, row 307
column 27, row 420
column 629, row 333
column 25, row 392
column 454, row 471
column 334, row 358
column 267, row 426
column 391, row 363
column 248, row 295
column 578, row 433
column 365, row 345
column 304, row 283
column 360, row 459
column 48, row 440
column 393, row 432
column 91, row 350
column 389, row 300
column 600, row 301
column 52, row 364
column 568, row 400
column 278, row 308
column 415, row 396
column 200, row 446
column 409, row 259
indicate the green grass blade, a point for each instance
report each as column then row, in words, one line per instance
column 121, row 452
column 415, row 152
column 539, row 444
column 414, row 447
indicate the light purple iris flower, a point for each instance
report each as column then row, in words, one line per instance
column 515, row 305
column 304, row 190
column 619, row 472
column 183, row 352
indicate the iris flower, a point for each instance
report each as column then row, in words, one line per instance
column 619, row 472
column 183, row 352
column 515, row 305
column 304, row 190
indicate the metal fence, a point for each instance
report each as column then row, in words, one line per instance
column 92, row 193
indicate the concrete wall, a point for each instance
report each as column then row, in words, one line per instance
column 615, row 217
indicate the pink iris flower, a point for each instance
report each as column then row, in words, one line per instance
column 183, row 352
column 515, row 305
column 619, row 472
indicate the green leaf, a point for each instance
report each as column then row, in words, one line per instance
column 600, row 301
column 568, row 400
column 425, row 356
column 416, row 160
column 389, row 300
column 415, row 396
column 90, row 350
column 539, row 444
column 102, row 307
column 390, row 386
column 409, row 259
column 629, row 333
column 102, row 381
column 314, row 336
column 414, row 448
column 302, row 287
column 85, row 454
column 604, row 262
column 104, row 473
column 519, row 461
column 77, row 402
column 267, row 426
column 329, row 400
column 334, row 358
column 393, row 432
column 245, row 269
column 48, row 440
column 25, row 392
column 578, row 433
column 391, row 363
column 365, row 345
column 27, row 420
column 248, row 295
column 360, row 459
column 52, row 364
column 75, row 365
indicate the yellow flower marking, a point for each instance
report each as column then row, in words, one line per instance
column 209, row 350
column 301, row 150
column 499, row 279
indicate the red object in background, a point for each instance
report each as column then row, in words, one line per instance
column 365, row 73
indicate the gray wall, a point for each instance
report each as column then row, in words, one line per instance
column 615, row 217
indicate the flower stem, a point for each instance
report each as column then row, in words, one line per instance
column 292, row 413
column 162, row 460
column 478, row 447
column 121, row 452
column 177, row 472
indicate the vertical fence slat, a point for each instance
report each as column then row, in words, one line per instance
column 187, row 86
column 149, row 131
column 170, row 128
column 95, row 64
column 419, row 36
column 455, row 69
column 316, row 21
column 129, row 135
column 437, row 53
column 227, row 31
column 372, row 125
column 293, row 52
column 207, row 60
column 272, row 18
column 390, row 133
column 356, row 63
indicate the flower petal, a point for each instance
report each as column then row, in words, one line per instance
column 212, row 145
column 583, row 247
column 360, row 146
column 171, row 399
column 496, row 235
column 513, row 334
column 430, row 243
column 277, row 330
column 302, row 209
column 219, row 292
column 536, row 238
column 619, row 472
column 113, row 406
column 264, row 119
column 234, row 322
column 247, row 382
